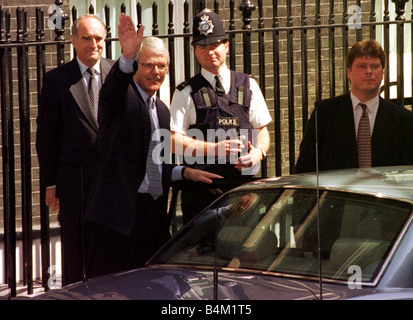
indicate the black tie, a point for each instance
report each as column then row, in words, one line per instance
column 93, row 91
column 219, row 89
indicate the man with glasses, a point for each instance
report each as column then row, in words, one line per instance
column 127, row 211
column 217, row 115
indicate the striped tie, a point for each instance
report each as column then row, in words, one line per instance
column 364, row 140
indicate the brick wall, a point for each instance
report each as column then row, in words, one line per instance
column 51, row 61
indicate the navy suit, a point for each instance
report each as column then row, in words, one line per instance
column 124, row 222
column 66, row 133
column 337, row 146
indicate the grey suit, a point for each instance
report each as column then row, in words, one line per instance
column 337, row 147
column 66, row 133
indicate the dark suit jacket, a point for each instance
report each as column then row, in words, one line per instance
column 337, row 147
column 123, row 143
column 66, row 128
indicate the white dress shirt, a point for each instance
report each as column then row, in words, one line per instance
column 183, row 113
column 372, row 107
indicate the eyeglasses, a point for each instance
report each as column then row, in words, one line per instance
column 149, row 66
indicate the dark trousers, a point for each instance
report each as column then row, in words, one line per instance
column 73, row 188
column 111, row 251
column 74, row 246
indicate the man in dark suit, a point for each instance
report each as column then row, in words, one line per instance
column 66, row 131
column 129, row 221
column 388, row 126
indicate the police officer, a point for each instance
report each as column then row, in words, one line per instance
column 218, row 117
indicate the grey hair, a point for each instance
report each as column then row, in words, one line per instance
column 75, row 25
column 156, row 45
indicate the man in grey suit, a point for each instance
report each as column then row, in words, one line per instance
column 389, row 126
column 66, row 131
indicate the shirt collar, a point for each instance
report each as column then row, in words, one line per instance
column 144, row 95
column 84, row 67
column 372, row 105
column 224, row 75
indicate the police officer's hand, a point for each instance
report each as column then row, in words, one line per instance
column 229, row 147
column 250, row 159
column 130, row 40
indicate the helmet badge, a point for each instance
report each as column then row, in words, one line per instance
column 205, row 26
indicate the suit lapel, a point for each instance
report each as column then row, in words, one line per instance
column 345, row 117
column 79, row 93
column 382, row 126
column 163, row 115
column 144, row 114
column 105, row 67
column 346, row 132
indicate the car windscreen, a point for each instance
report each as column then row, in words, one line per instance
column 297, row 232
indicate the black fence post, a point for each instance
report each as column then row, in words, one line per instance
column 187, row 43
column 246, row 8
column 138, row 13
column 171, row 48
column 155, row 30
column 304, row 66
column 59, row 20
column 108, row 32
column 277, row 91
column 261, row 66
column 332, row 48
column 386, row 45
column 74, row 17
column 318, row 64
column 44, row 214
column 344, row 41
column 9, row 189
column 373, row 19
column 400, row 11
column 290, row 74
column 25, row 149
column 232, row 49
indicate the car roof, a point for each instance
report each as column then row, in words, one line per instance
column 386, row 182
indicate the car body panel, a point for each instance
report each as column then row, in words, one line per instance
column 160, row 283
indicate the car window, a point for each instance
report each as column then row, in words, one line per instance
column 276, row 230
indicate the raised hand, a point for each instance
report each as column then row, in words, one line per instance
column 130, row 40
